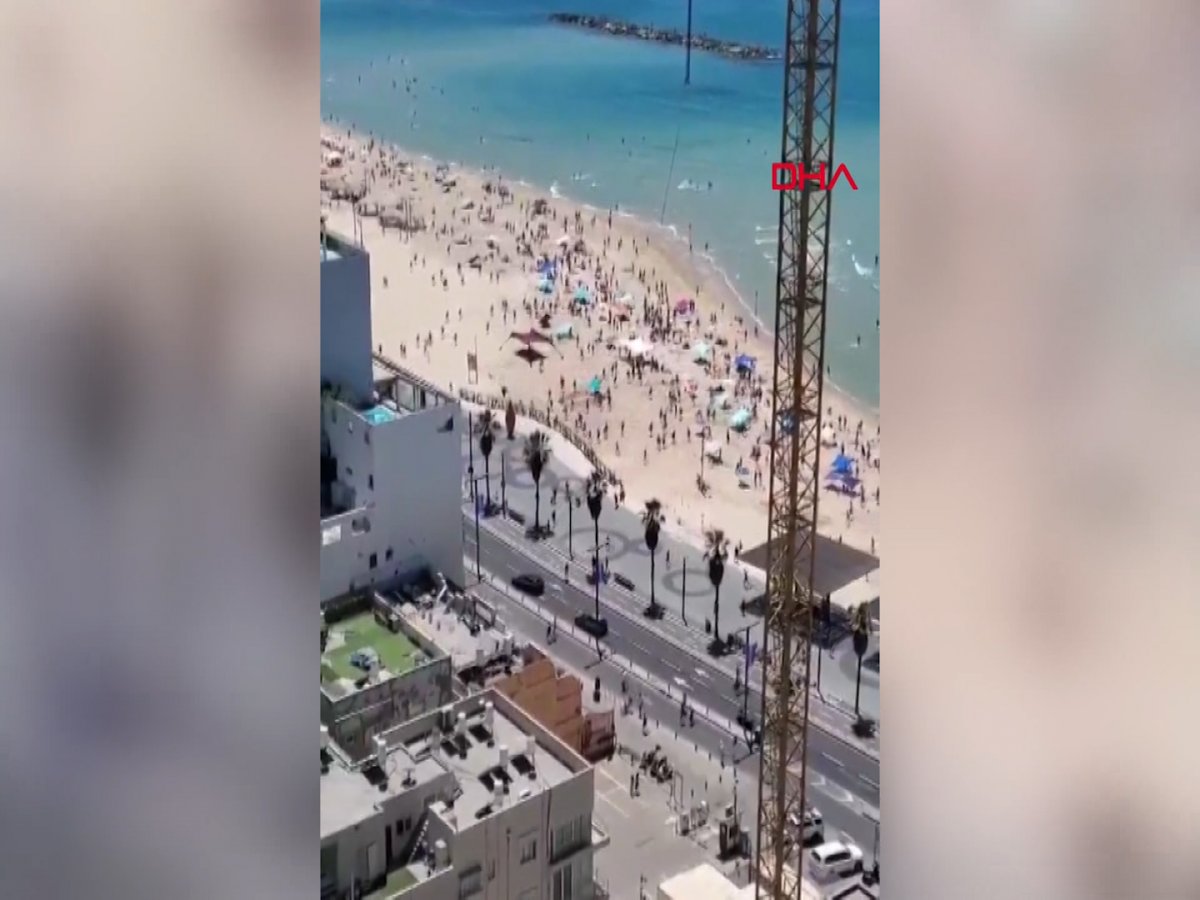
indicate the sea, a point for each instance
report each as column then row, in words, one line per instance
column 609, row 121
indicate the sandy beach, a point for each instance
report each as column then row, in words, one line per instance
column 455, row 272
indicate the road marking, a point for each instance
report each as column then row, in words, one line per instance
column 871, row 782
column 620, row 812
column 700, row 673
column 833, row 759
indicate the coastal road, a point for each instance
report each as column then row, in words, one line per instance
column 681, row 581
column 845, row 814
column 836, row 761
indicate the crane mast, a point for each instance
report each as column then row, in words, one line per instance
column 809, row 89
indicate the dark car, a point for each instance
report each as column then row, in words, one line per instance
column 529, row 584
column 597, row 628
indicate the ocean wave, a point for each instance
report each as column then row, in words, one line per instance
column 863, row 271
column 581, row 176
column 688, row 185
column 760, row 241
column 554, row 191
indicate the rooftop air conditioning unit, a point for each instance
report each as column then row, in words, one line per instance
column 441, row 854
column 503, row 757
column 461, row 725
column 489, row 717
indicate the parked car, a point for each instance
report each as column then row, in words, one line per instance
column 529, row 584
column 835, row 860
column 810, row 827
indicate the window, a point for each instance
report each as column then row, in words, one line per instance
column 370, row 482
column 528, row 849
column 388, row 554
column 374, row 560
column 470, row 882
column 491, row 870
column 562, row 887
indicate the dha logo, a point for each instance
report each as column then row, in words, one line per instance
column 796, row 178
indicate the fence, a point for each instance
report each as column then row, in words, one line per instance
column 554, row 423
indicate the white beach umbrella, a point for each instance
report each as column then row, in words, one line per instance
column 563, row 240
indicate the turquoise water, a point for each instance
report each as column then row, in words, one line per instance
column 379, row 415
column 597, row 119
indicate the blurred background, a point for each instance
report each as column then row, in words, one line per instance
column 1041, row 352
column 158, row 342
column 1039, row 204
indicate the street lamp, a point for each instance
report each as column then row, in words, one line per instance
column 475, row 501
column 570, row 520
column 595, row 502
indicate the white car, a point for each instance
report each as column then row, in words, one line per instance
column 835, row 859
column 810, row 828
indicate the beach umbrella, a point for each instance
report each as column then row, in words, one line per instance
column 712, row 449
column 701, row 351
column 626, row 299
column 744, row 363
column 740, row 419
column 582, row 295
column 545, row 286
column 638, row 347
column 594, row 385
column 563, row 240
column 684, row 305
column 493, row 241
column 843, row 464
column 565, row 330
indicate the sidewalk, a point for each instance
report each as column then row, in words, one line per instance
column 828, row 709
column 624, row 550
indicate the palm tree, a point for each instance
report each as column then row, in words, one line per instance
column 860, row 626
column 651, row 521
column 595, row 502
column 486, row 439
column 716, row 550
column 537, row 454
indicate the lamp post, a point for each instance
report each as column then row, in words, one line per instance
column 471, row 452
column 595, row 502
column 503, row 493
column 475, row 504
column 570, row 520
column 746, row 679
column 683, row 593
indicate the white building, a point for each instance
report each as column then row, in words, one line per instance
column 473, row 800
column 391, row 470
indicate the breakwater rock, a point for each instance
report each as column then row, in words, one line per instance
column 618, row 28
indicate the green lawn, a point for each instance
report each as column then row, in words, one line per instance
column 397, row 880
column 396, row 652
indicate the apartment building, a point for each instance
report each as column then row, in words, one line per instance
column 474, row 800
column 391, row 465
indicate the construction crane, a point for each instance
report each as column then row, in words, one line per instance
column 809, row 94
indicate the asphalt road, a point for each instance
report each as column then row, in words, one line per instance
column 838, row 763
column 842, row 815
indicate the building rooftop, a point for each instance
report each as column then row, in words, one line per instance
column 469, row 639
column 354, row 642
column 335, row 246
column 468, row 754
column 350, row 795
